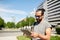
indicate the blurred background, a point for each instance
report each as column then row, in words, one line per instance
column 20, row 14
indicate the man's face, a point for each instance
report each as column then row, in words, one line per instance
column 38, row 15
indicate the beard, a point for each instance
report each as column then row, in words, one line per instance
column 39, row 20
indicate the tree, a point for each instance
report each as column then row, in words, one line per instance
column 18, row 25
column 1, row 23
column 28, row 21
column 31, row 21
column 11, row 24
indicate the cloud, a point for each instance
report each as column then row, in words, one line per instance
column 7, row 14
column 12, row 11
column 20, row 19
column 32, row 13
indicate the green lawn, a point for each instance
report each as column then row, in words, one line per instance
column 25, row 38
column 55, row 38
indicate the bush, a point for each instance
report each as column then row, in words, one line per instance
column 23, row 38
column 58, row 30
column 27, row 38
column 55, row 38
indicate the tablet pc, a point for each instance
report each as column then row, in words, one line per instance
column 27, row 32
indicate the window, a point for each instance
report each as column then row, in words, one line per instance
column 54, row 17
column 54, row 14
column 55, row 21
column 54, row 11
column 54, row 8
column 52, row 3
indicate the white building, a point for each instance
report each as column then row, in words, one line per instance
column 52, row 13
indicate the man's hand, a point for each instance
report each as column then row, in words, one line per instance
column 35, row 35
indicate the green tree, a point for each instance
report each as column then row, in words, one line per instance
column 23, row 23
column 5, row 25
column 18, row 25
column 28, row 21
column 10, row 24
column 31, row 21
column 1, row 23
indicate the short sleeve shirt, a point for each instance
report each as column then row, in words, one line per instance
column 41, row 28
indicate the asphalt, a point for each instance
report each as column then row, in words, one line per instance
column 9, row 35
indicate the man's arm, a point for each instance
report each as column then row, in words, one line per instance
column 45, row 37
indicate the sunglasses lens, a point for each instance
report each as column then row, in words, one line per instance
column 37, row 17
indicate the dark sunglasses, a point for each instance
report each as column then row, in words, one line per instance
column 37, row 16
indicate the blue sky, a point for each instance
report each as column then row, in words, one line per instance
column 16, row 10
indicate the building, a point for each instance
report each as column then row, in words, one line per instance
column 52, row 13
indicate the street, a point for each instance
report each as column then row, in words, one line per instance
column 9, row 35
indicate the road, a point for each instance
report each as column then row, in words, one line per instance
column 9, row 35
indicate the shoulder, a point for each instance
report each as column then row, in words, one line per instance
column 47, row 24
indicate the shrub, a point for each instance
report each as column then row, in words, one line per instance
column 55, row 38
column 23, row 38
column 58, row 30
column 27, row 38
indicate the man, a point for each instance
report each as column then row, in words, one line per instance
column 42, row 29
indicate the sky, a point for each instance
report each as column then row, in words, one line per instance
column 16, row 10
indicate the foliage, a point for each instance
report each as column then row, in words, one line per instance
column 55, row 38
column 26, row 38
column 28, row 21
column 18, row 25
column 23, row 38
column 1, row 23
column 58, row 30
column 11, row 24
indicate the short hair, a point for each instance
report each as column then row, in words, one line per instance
column 43, row 10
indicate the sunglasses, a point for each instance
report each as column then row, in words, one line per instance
column 37, row 16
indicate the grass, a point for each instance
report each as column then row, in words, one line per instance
column 23, row 38
column 26, row 38
column 55, row 38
